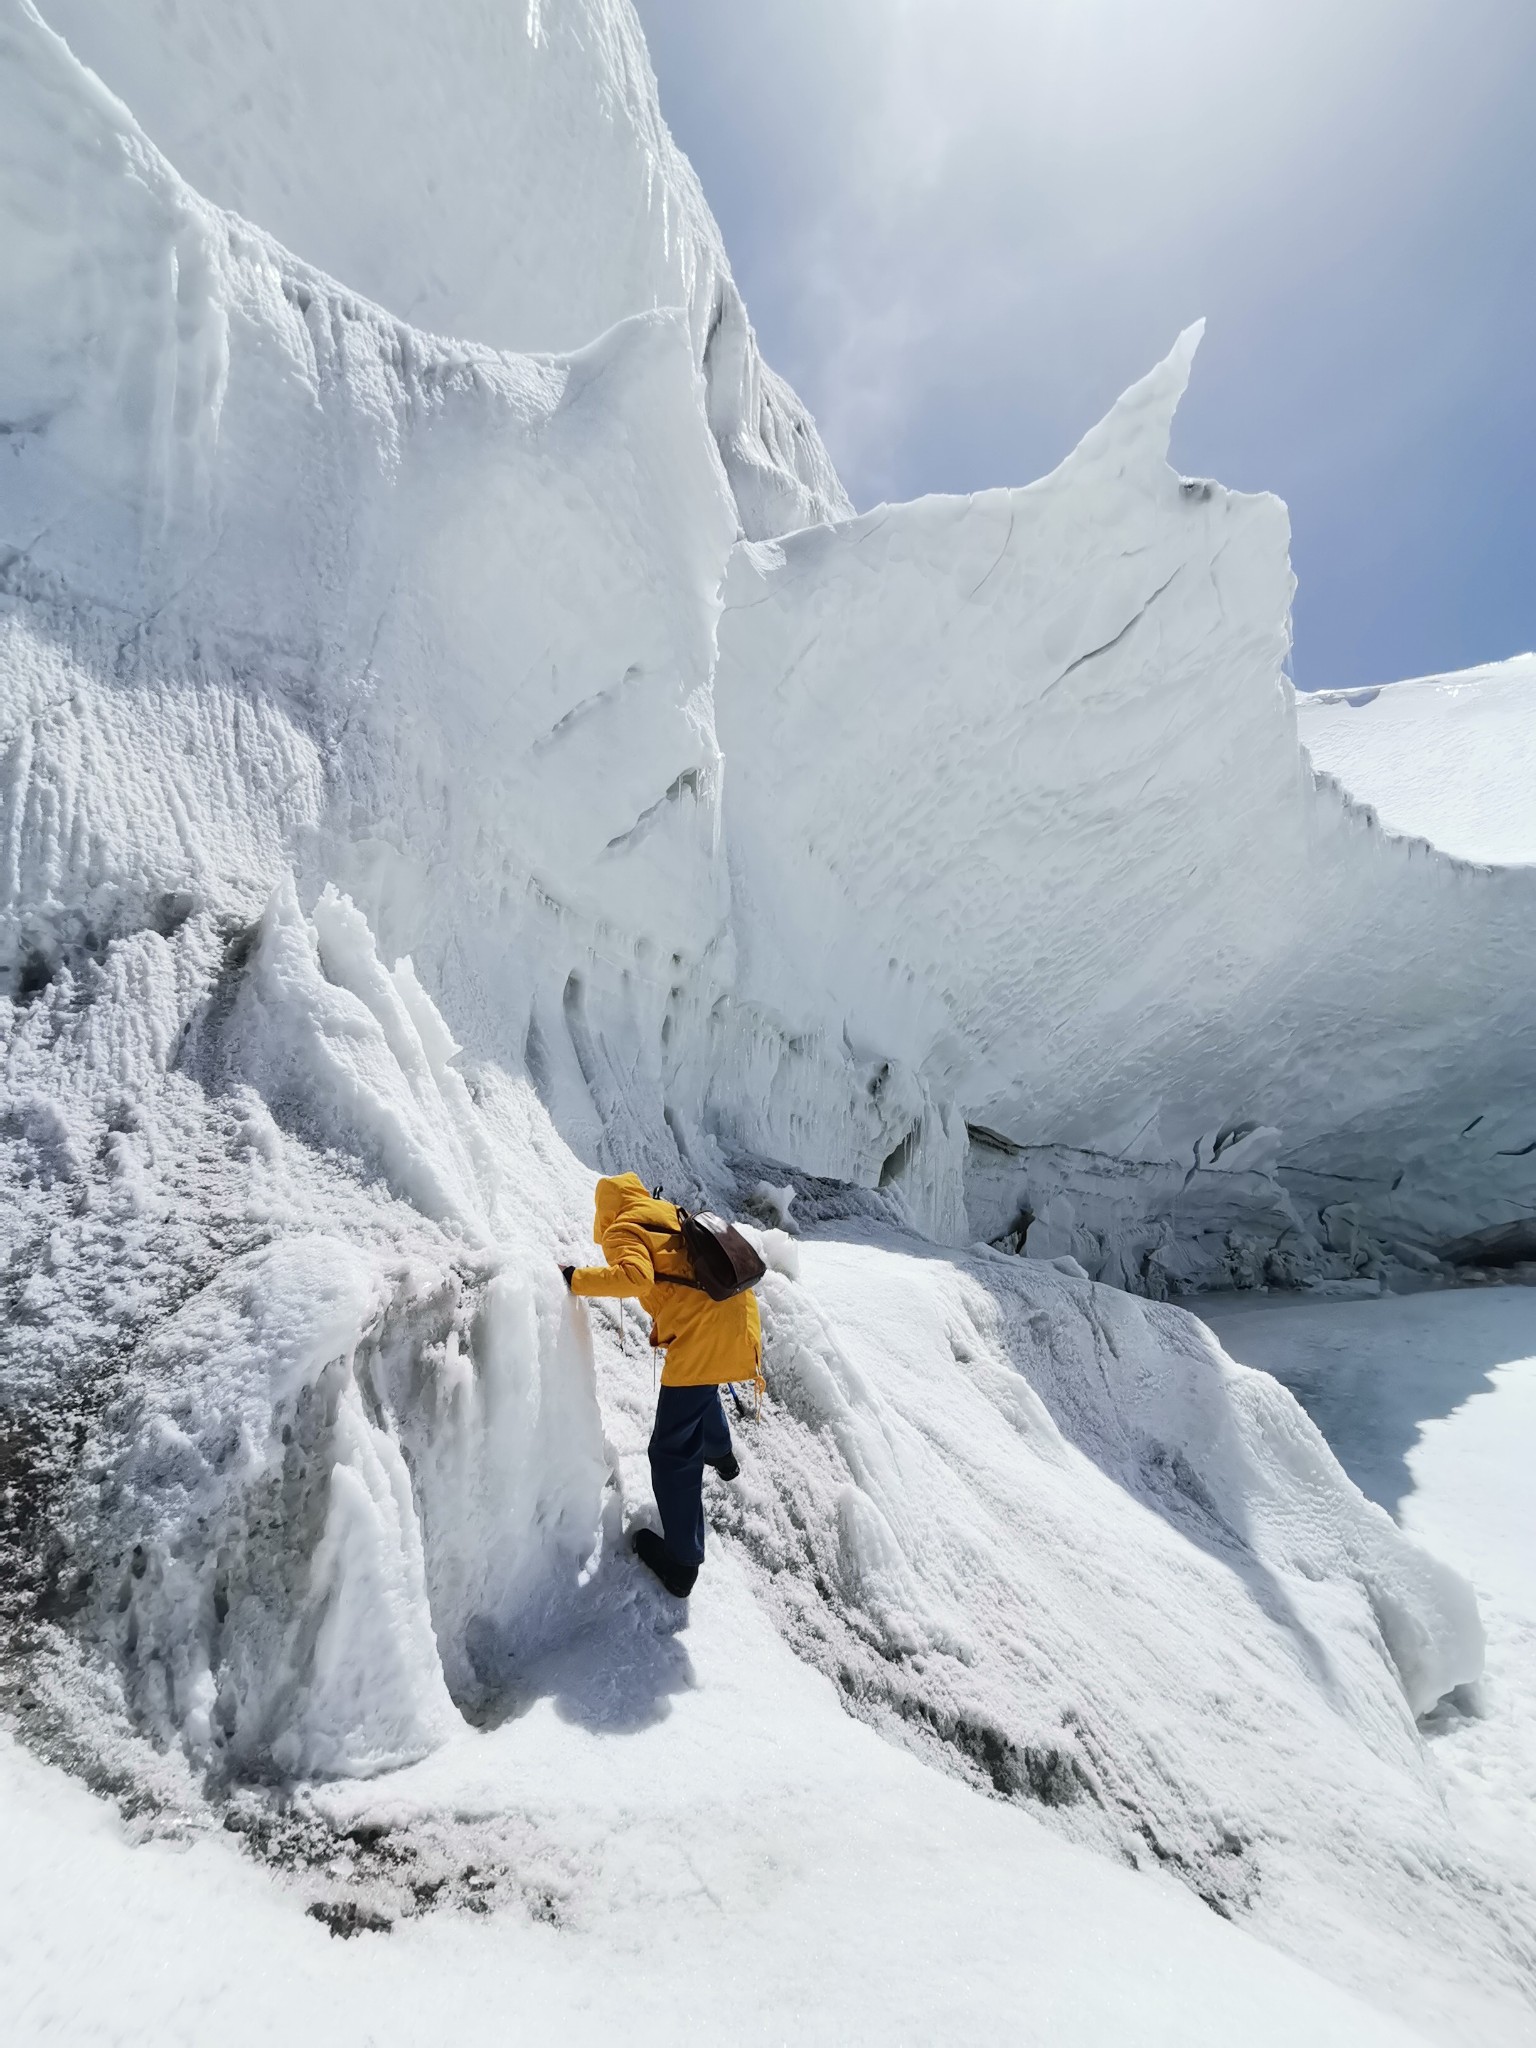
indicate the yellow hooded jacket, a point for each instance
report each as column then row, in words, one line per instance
column 706, row 1342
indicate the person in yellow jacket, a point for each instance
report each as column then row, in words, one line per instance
column 707, row 1343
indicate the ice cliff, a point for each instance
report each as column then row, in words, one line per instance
column 1017, row 796
column 433, row 768
column 528, row 196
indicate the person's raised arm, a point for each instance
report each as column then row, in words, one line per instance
column 631, row 1270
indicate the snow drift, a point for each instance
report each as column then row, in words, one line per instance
column 414, row 787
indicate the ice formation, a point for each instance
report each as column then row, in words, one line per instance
column 1016, row 795
column 530, row 195
column 431, row 771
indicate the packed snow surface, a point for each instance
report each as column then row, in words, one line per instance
column 1450, row 759
column 877, row 1897
column 1430, row 1402
column 414, row 793
column 747, row 1858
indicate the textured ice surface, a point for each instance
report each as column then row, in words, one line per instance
column 1011, row 828
column 1450, row 759
column 529, row 196
column 1015, row 794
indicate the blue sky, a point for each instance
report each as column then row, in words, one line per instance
column 963, row 226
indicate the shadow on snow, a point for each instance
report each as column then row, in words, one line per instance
column 1372, row 1373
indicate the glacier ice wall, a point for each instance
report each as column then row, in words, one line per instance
column 969, row 851
column 1016, row 794
column 305, row 608
column 529, row 197
column 265, row 1273
column 289, row 585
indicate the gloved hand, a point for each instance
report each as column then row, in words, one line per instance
column 565, row 1274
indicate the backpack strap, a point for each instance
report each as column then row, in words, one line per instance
column 673, row 1279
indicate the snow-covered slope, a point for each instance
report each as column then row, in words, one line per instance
column 1430, row 1402
column 839, row 1894
column 506, row 177
column 325, row 1465
column 373, row 868
column 1450, row 759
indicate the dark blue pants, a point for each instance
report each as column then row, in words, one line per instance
column 691, row 1432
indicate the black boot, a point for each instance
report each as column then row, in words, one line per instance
column 677, row 1577
column 728, row 1467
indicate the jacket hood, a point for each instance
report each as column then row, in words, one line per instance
column 626, row 1195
